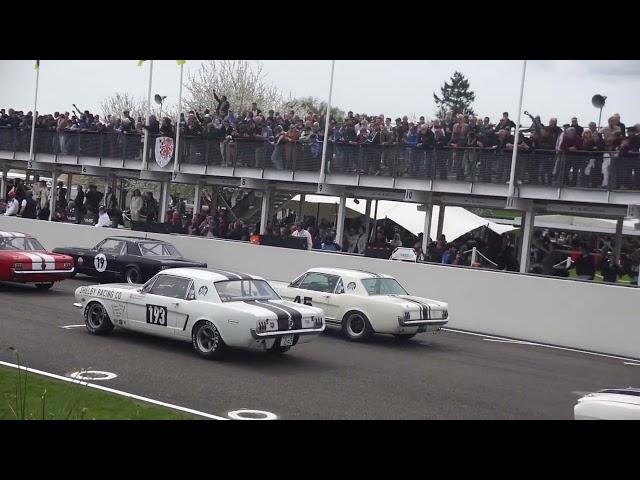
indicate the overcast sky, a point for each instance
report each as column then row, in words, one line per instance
column 392, row 87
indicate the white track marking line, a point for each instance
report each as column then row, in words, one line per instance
column 68, row 327
column 117, row 392
column 505, row 341
column 542, row 345
column 631, row 363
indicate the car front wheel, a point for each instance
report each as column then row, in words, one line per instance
column 97, row 319
column 206, row 340
column 356, row 327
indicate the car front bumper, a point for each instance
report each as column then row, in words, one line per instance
column 40, row 276
column 421, row 325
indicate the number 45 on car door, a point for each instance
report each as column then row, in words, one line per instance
column 307, row 300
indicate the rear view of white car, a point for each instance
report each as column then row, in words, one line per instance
column 212, row 309
column 363, row 303
column 611, row 404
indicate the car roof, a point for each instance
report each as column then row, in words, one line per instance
column 14, row 234
column 210, row 275
column 349, row 273
column 132, row 238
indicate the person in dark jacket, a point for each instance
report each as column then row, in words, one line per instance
column 585, row 265
column 610, row 269
column 78, row 204
column 28, row 206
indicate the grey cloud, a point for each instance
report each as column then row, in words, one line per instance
column 614, row 67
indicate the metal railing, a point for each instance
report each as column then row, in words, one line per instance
column 609, row 170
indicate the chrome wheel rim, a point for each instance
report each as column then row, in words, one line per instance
column 207, row 338
column 132, row 276
column 95, row 315
column 356, row 325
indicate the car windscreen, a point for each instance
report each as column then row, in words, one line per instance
column 20, row 243
column 383, row 286
column 157, row 249
column 243, row 290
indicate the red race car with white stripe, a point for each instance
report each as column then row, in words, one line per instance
column 24, row 260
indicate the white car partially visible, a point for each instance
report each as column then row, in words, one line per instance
column 212, row 309
column 362, row 303
column 611, row 404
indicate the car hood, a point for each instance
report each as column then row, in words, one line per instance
column 628, row 396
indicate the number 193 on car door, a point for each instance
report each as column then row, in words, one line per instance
column 157, row 315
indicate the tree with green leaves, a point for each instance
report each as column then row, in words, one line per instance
column 456, row 96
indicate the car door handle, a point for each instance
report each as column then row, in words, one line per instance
column 176, row 303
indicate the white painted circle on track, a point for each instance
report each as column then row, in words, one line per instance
column 100, row 262
column 246, row 414
column 92, row 375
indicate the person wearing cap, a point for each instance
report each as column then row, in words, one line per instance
column 103, row 217
column 12, row 205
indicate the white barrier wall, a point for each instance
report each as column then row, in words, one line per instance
column 589, row 316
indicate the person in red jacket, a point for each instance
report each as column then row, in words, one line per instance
column 574, row 161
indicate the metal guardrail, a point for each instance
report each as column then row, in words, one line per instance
column 609, row 170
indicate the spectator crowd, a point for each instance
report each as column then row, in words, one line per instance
column 277, row 136
column 282, row 140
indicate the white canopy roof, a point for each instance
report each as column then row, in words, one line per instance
column 457, row 220
column 583, row 224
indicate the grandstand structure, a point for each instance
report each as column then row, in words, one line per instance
column 365, row 172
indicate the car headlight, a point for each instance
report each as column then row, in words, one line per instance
column 439, row 314
column 79, row 261
column 261, row 326
column 18, row 266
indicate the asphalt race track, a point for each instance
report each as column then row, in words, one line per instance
column 444, row 376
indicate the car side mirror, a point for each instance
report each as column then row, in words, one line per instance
column 140, row 290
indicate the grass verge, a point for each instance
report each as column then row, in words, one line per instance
column 28, row 396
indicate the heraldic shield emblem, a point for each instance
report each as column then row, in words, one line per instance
column 164, row 150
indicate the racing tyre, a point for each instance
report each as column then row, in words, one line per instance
column 97, row 319
column 206, row 340
column 356, row 326
column 133, row 275
column 44, row 286
column 403, row 337
column 278, row 350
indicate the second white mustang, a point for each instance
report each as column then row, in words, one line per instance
column 212, row 309
column 363, row 303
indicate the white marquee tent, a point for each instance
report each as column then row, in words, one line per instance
column 457, row 220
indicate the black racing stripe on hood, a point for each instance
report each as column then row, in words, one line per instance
column 296, row 316
column 283, row 317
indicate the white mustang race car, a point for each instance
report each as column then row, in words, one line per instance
column 363, row 303
column 611, row 404
column 213, row 309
